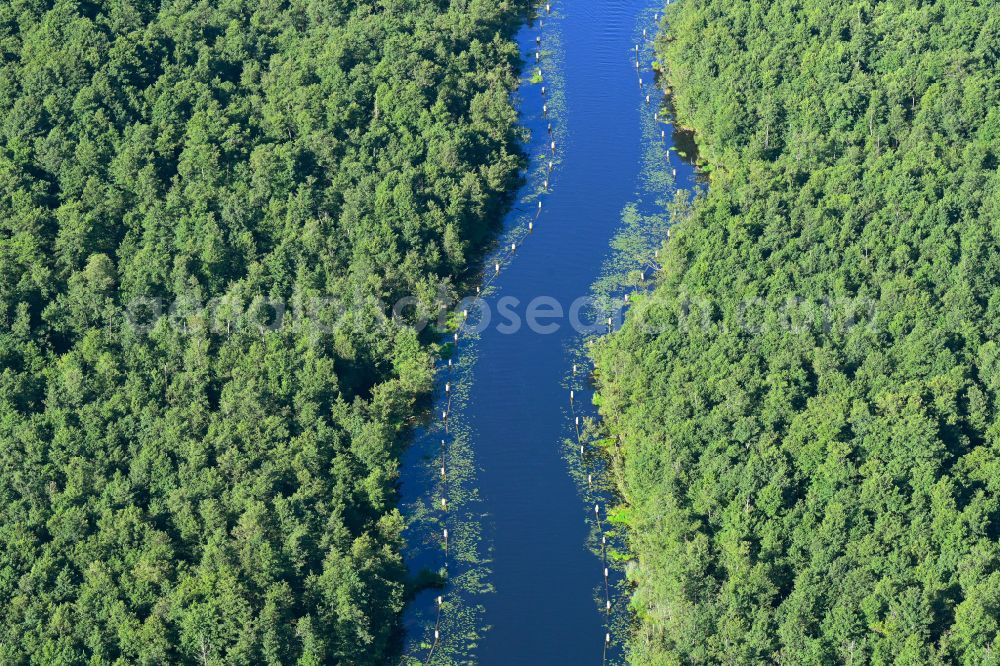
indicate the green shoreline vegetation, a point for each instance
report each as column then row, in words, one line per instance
column 807, row 403
column 209, row 490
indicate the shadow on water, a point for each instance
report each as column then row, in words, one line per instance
column 684, row 139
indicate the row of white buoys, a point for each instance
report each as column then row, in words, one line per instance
column 465, row 316
column 597, row 512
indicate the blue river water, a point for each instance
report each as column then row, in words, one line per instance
column 523, row 563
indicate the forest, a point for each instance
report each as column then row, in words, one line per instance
column 807, row 404
column 203, row 204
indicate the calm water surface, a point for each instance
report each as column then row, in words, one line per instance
column 524, row 587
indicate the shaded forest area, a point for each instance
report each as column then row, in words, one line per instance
column 808, row 403
column 208, row 486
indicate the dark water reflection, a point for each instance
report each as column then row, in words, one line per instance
column 683, row 139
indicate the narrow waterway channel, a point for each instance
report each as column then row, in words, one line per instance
column 524, row 573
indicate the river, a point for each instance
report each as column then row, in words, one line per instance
column 525, row 576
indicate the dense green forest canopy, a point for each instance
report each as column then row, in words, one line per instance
column 211, row 487
column 808, row 403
